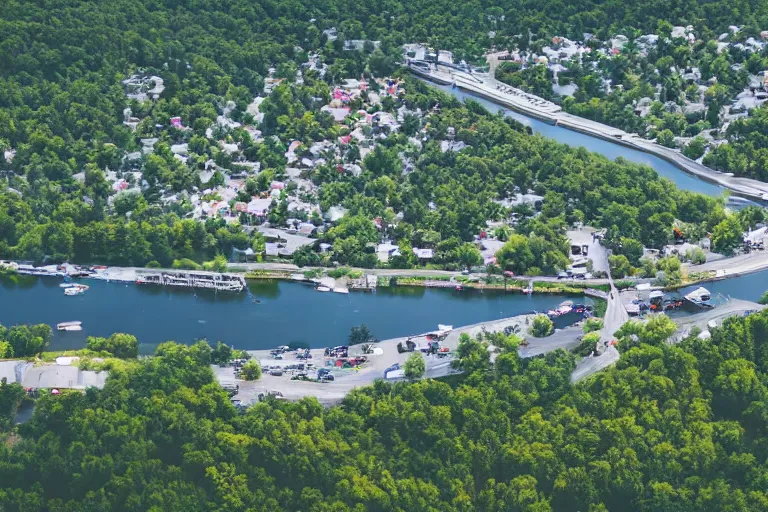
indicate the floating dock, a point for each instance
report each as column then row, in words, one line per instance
column 193, row 279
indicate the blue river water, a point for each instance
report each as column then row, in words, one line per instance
column 286, row 311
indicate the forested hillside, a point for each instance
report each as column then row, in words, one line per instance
column 670, row 429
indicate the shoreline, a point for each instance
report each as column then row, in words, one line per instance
column 744, row 187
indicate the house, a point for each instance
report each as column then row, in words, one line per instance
column 335, row 213
column 13, row 371
column 387, row 250
column 259, row 207
column 307, row 229
column 339, row 113
column 424, row 254
column 488, row 250
column 62, row 377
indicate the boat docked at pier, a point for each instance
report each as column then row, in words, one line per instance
column 700, row 297
column 70, row 326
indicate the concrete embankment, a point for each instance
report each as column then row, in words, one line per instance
column 540, row 109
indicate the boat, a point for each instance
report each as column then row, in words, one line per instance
column 700, row 297
column 563, row 309
column 70, row 326
column 67, row 285
column 341, row 290
column 78, row 289
column 656, row 297
column 323, row 289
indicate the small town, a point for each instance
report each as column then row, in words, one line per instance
column 387, row 257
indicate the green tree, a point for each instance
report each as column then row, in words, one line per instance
column 542, row 326
column 361, row 334
column 727, row 235
column 695, row 148
column 124, row 346
column 619, row 265
column 251, row 370
column 221, row 354
column 414, row 366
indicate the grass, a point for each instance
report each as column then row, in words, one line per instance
column 89, row 359
column 268, row 274
column 600, row 306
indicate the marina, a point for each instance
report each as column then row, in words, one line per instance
column 192, row 279
column 266, row 312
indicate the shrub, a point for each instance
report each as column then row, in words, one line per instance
column 185, row 264
column 696, row 255
column 153, row 264
column 542, row 326
column 593, row 324
column 217, row 264
column 587, row 345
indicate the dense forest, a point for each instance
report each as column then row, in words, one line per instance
column 670, row 428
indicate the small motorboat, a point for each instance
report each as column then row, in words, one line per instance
column 700, row 297
column 78, row 289
column 70, row 326
column 341, row 290
column 564, row 308
column 323, row 289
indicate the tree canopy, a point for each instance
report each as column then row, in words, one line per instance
column 670, row 427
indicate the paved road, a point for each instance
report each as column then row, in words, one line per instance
column 615, row 317
column 413, row 272
column 735, row 265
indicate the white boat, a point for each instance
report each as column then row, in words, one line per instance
column 69, row 326
column 323, row 289
column 78, row 289
column 700, row 297
column 341, row 290
column 67, row 285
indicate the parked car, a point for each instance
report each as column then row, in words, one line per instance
column 276, row 373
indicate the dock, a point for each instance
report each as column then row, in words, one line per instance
column 192, row 279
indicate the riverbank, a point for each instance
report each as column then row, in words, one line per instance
column 540, row 109
column 330, row 393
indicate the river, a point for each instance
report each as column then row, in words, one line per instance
column 609, row 149
column 287, row 311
